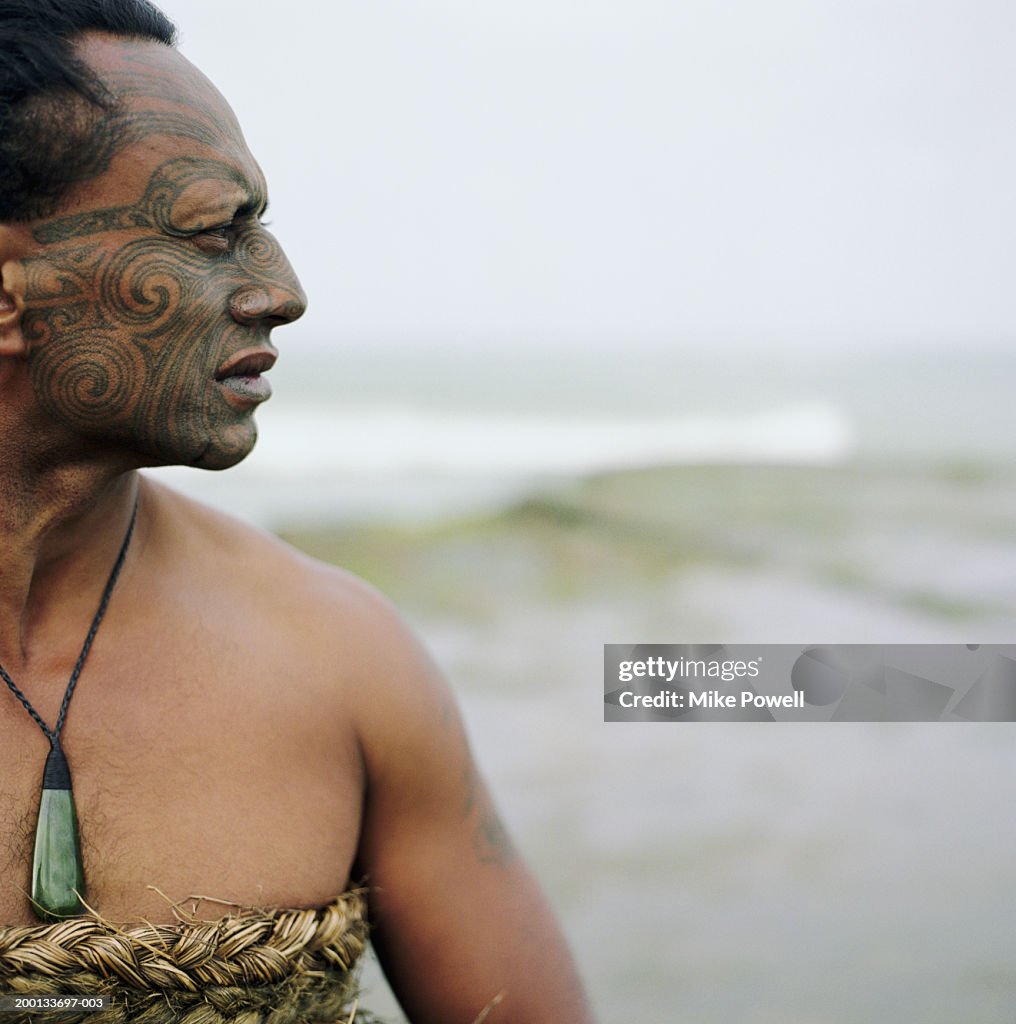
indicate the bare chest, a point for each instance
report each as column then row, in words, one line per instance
column 198, row 770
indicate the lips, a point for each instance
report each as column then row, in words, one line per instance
column 248, row 363
column 241, row 378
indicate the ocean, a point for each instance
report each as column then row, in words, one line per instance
column 404, row 435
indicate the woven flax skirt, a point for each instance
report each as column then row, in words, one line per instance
column 253, row 967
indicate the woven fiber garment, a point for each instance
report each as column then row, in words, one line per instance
column 252, row 967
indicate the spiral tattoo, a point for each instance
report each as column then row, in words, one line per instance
column 143, row 285
column 90, row 377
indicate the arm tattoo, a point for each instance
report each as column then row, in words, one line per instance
column 491, row 841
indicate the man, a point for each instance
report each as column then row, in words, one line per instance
column 249, row 725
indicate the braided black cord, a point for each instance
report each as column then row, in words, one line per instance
column 54, row 736
column 28, row 707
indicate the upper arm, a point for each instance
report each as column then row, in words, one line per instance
column 460, row 926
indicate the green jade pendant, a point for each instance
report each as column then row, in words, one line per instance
column 58, row 878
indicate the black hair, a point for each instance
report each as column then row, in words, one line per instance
column 58, row 122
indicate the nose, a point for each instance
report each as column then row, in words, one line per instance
column 272, row 305
column 271, row 294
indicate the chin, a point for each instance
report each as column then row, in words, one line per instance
column 223, row 444
column 209, row 452
column 219, row 457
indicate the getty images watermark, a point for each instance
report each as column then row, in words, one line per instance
column 809, row 683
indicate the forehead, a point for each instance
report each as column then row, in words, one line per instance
column 171, row 111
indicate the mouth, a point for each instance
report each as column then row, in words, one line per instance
column 241, row 375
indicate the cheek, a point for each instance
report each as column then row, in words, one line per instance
column 146, row 291
column 122, row 336
column 87, row 376
column 79, row 369
column 60, row 293
column 145, row 287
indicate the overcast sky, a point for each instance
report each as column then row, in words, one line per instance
column 617, row 172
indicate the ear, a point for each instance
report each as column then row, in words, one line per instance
column 12, row 296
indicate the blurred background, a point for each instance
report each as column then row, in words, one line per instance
column 667, row 322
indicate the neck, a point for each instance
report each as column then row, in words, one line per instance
column 61, row 527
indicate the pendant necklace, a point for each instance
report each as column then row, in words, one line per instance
column 58, row 878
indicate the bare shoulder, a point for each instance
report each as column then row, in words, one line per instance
column 246, row 558
column 337, row 620
column 459, row 924
column 362, row 669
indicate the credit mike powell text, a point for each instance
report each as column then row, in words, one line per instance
column 809, row 683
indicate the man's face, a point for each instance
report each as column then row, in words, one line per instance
column 149, row 297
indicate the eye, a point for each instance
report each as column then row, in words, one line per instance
column 216, row 241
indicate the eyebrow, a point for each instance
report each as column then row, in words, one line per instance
column 253, row 195
column 250, row 198
column 255, row 205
